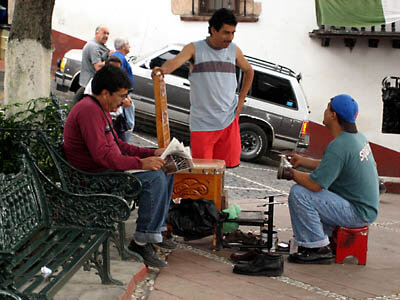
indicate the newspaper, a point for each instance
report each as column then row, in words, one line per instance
column 177, row 157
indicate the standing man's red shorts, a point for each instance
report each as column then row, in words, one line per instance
column 224, row 144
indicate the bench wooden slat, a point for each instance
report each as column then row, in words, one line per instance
column 34, row 252
column 73, row 267
column 55, row 247
column 69, row 257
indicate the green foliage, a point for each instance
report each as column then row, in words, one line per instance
column 18, row 123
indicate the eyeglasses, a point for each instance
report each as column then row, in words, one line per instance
column 123, row 96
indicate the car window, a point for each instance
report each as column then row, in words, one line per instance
column 273, row 89
column 182, row 71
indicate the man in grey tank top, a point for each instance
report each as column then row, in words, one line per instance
column 94, row 54
column 214, row 105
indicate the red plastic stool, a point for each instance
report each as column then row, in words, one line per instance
column 351, row 242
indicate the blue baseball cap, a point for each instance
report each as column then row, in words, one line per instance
column 347, row 109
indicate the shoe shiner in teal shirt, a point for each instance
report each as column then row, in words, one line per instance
column 342, row 190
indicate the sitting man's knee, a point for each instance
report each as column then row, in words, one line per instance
column 160, row 178
column 296, row 191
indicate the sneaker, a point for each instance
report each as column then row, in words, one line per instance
column 167, row 243
column 319, row 256
column 149, row 255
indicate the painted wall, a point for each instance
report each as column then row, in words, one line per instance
column 280, row 35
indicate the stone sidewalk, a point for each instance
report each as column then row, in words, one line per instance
column 196, row 272
column 86, row 285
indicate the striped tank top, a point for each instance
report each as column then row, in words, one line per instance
column 213, row 85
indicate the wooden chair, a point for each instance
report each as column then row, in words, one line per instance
column 206, row 178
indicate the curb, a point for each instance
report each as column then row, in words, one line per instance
column 138, row 277
column 392, row 184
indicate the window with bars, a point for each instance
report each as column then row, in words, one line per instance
column 210, row 6
column 201, row 10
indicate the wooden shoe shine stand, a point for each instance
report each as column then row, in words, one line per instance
column 206, row 178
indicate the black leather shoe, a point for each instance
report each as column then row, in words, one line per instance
column 285, row 169
column 149, row 255
column 245, row 256
column 263, row 265
column 318, row 256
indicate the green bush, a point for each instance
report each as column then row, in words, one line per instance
column 18, row 124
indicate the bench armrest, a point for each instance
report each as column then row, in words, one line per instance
column 122, row 184
column 91, row 210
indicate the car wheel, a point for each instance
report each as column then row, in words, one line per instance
column 254, row 142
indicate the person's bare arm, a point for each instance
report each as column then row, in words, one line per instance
column 99, row 65
column 302, row 161
column 304, row 179
column 248, row 72
column 171, row 65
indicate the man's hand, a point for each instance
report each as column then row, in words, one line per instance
column 127, row 102
column 156, row 72
column 294, row 159
column 159, row 151
column 152, row 163
column 99, row 65
column 302, row 161
column 239, row 108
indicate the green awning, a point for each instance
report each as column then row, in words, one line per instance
column 357, row 13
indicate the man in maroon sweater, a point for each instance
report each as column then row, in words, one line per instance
column 91, row 144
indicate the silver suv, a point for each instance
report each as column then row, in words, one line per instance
column 274, row 117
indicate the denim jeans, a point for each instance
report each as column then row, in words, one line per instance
column 153, row 205
column 315, row 214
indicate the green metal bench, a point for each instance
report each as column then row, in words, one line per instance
column 77, row 181
column 42, row 225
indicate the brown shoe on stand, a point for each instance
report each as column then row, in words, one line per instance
column 241, row 238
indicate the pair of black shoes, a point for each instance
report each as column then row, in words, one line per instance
column 264, row 264
column 149, row 253
column 317, row 256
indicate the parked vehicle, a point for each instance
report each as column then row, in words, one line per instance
column 68, row 70
column 274, row 117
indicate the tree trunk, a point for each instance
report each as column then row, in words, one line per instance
column 29, row 51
